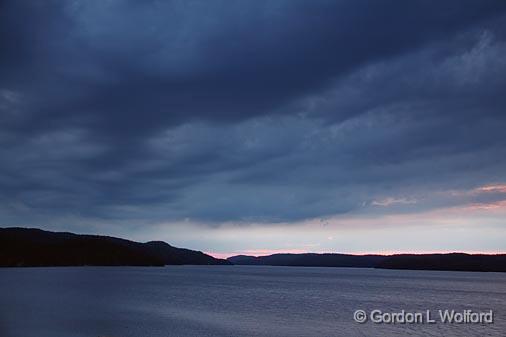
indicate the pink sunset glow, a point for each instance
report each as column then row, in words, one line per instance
column 421, row 232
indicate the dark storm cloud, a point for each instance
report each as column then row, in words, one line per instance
column 270, row 111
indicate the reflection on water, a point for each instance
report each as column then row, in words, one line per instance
column 238, row 301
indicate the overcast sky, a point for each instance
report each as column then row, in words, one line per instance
column 257, row 126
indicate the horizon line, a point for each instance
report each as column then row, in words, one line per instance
column 384, row 253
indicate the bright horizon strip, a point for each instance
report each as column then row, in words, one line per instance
column 467, row 230
column 471, row 216
column 385, row 253
column 468, row 225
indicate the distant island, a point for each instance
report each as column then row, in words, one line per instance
column 30, row 247
column 450, row 262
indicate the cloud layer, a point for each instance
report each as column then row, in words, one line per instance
column 264, row 112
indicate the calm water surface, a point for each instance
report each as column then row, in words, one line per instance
column 238, row 301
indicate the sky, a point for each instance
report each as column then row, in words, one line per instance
column 255, row 127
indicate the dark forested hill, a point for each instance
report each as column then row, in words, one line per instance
column 310, row 260
column 453, row 261
column 23, row 247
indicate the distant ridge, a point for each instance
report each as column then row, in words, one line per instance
column 450, row 262
column 30, row 247
column 310, row 260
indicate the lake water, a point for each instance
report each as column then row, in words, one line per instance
column 239, row 301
